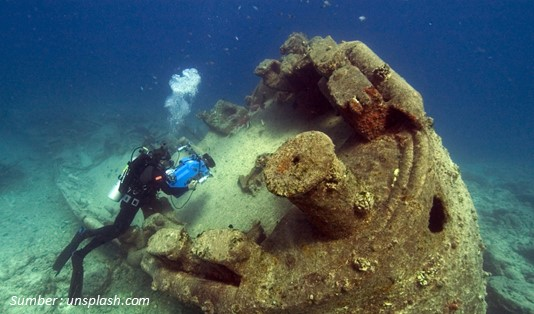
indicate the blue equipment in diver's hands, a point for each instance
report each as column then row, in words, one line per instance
column 189, row 169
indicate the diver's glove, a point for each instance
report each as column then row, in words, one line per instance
column 192, row 185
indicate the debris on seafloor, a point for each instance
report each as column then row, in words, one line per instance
column 225, row 118
column 385, row 223
column 253, row 181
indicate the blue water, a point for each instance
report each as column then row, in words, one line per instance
column 471, row 60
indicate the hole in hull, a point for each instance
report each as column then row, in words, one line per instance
column 438, row 217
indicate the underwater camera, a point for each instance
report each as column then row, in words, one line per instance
column 192, row 167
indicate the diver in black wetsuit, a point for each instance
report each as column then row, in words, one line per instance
column 143, row 178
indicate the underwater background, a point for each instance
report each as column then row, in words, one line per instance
column 66, row 65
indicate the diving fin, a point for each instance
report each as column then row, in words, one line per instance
column 76, row 281
column 66, row 254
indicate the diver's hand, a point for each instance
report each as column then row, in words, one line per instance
column 192, row 185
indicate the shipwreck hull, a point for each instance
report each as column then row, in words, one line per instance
column 382, row 223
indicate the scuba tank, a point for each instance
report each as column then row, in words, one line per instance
column 118, row 190
column 115, row 194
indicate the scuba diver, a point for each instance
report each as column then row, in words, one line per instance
column 144, row 176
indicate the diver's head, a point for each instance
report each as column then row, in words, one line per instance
column 162, row 156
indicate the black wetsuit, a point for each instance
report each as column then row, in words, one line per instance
column 144, row 178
